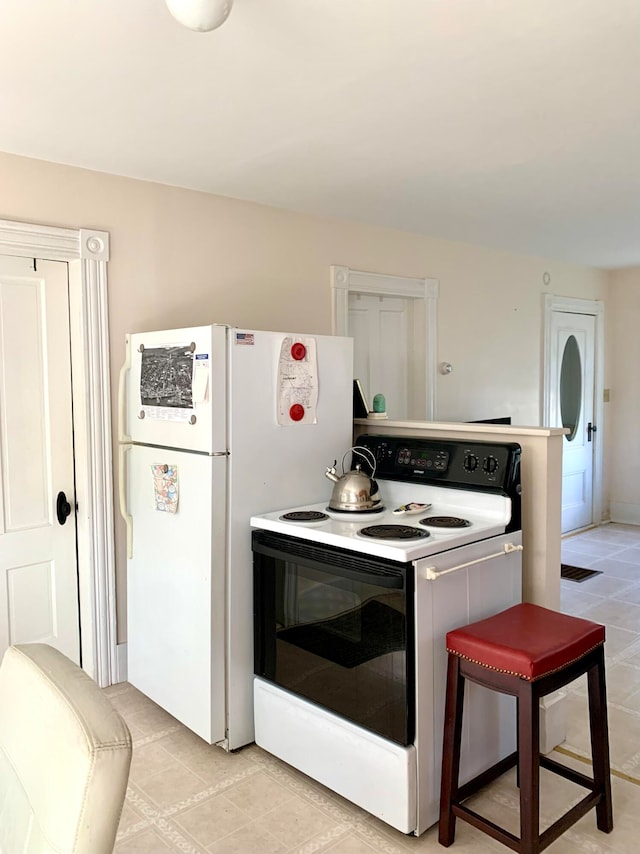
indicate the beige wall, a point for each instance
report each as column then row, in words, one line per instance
column 180, row 257
column 490, row 327
column 623, row 307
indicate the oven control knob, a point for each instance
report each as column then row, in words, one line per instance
column 490, row 465
column 471, row 462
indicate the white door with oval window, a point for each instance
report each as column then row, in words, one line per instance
column 38, row 564
column 572, row 407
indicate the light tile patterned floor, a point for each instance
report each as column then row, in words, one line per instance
column 185, row 796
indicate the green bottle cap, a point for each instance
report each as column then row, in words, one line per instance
column 379, row 403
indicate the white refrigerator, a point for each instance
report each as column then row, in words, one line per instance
column 216, row 424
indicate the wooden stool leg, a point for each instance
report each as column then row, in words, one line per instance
column 529, row 766
column 518, row 743
column 451, row 751
column 600, row 742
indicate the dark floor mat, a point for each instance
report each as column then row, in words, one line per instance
column 577, row 573
column 352, row 638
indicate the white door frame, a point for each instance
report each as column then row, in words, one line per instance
column 579, row 306
column 86, row 253
column 345, row 281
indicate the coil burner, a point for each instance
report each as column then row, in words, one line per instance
column 304, row 516
column 393, row 532
column 445, row 522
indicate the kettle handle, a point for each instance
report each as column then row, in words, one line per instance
column 366, row 454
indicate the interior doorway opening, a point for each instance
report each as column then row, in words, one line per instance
column 392, row 320
column 87, row 253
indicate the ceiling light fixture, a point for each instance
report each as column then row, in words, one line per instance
column 200, row 15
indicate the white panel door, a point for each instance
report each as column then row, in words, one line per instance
column 39, row 585
column 572, row 406
column 381, row 332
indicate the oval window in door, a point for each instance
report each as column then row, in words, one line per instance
column 570, row 387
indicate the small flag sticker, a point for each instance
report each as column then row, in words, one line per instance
column 245, row 338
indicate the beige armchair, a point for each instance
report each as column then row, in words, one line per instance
column 64, row 757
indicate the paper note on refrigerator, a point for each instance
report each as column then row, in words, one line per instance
column 165, row 487
column 166, row 382
column 298, row 381
column 201, row 377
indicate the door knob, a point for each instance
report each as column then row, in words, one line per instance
column 63, row 508
column 591, row 428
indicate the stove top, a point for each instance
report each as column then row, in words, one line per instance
column 487, row 515
column 436, row 494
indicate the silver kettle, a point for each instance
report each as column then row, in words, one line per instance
column 354, row 491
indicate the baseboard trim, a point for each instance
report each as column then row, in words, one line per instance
column 121, row 662
column 628, row 514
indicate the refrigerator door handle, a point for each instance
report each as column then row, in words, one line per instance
column 122, row 492
column 122, row 392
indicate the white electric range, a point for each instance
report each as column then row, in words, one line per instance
column 351, row 612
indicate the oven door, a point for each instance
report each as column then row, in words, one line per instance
column 336, row 628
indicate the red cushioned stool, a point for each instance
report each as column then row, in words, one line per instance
column 528, row 652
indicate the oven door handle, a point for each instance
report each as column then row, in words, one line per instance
column 431, row 574
column 391, row 580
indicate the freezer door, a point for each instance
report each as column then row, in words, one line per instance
column 176, row 584
column 174, row 389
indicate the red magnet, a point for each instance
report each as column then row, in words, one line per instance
column 298, row 351
column 296, row 413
